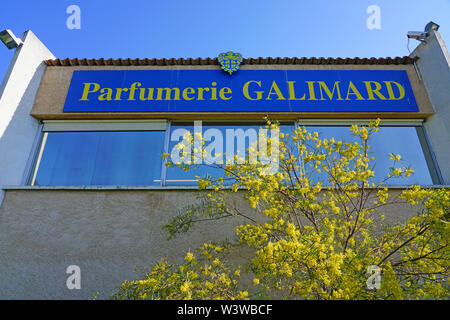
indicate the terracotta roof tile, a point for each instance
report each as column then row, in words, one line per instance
column 213, row 61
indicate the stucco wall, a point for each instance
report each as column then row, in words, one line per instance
column 18, row 129
column 105, row 232
column 434, row 66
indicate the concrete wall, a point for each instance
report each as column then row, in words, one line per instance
column 434, row 66
column 17, row 94
column 105, row 232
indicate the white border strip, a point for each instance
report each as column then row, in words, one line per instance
column 343, row 122
column 2, row 196
column 33, row 155
column 39, row 157
column 104, row 125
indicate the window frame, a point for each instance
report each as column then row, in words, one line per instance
column 89, row 126
column 166, row 126
column 213, row 122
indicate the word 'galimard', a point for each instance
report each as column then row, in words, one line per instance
column 252, row 90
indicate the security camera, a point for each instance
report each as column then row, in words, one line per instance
column 418, row 35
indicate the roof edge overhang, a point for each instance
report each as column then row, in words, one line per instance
column 68, row 62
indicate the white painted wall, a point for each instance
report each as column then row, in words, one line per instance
column 18, row 129
column 434, row 67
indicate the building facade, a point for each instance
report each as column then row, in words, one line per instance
column 82, row 179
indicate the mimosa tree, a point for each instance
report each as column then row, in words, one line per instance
column 316, row 227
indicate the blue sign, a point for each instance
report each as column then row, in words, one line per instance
column 244, row 91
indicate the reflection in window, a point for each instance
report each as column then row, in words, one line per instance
column 405, row 141
column 133, row 158
column 101, row 158
column 233, row 140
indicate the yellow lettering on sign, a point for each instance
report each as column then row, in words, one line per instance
column 200, row 93
column 275, row 90
column 312, row 93
column 149, row 95
column 168, row 92
column 330, row 94
column 371, row 91
column 252, row 90
column 292, row 91
column 223, row 92
column 119, row 93
column 353, row 91
column 87, row 90
column 400, row 88
column 106, row 94
column 188, row 91
column 213, row 91
column 133, row 89
column 246, row 93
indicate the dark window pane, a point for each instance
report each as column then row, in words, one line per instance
column 101, row 158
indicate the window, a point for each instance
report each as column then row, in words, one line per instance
column 128, row 153
column 94, row 155
column 407, row 141
column 230, row 139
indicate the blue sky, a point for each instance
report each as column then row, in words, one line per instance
column 204, row 28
